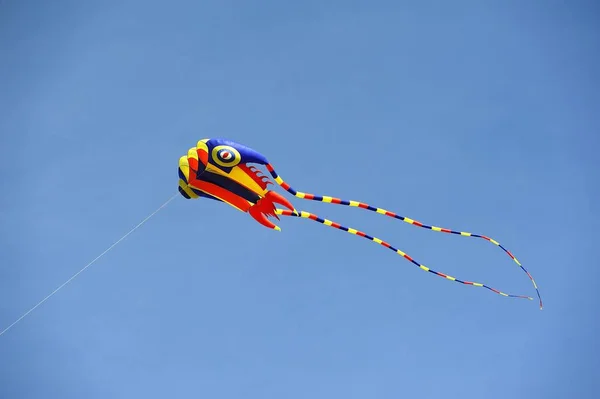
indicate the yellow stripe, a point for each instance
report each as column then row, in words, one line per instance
column 354, row 203
column 201, row 145
column 213, row 169
column 424, row 268
column 502, row 293
column 450, row 278
column 478, row 285
column 400, row 253
column 462, row 233
column 278, row 180
column 409, row 220
column 242, row 177
column 192, row 153
column 185, row 167
column 382, row 211
column 377, row 240
column 494, row 241
column 434, row 228
column 352, row 231
column 187, row 189
column 327, row 222
column 327, row 199
column 300, row 195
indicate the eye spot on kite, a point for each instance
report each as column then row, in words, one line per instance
column 226, row 156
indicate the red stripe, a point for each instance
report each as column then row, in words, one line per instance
column 313, row 217
column 468, row 282
column 418, row 223
column 511, row 255
column 442, row 274
column 446, row 230
column 270, row 168
column 408, row 257
column 336, row 201
column 487, row 238
column 360, row 233
column 362, row 205
column 385, row 244
column 220, row 192
column 285, row 186
column 202, row 156
column 194, row 169
column 309, row 196
column 388, row 213
column 336, row 225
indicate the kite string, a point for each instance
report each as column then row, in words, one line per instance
column 89, row 264
column 338, row 201
column 326, row 222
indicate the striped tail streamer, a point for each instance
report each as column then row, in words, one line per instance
column 326, row 222
column 357, row 204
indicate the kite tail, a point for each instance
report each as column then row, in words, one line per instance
column 338, row 201
column 307, row 215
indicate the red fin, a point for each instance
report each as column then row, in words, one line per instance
column 260, row 217
column 255, row 174
column 277, row 198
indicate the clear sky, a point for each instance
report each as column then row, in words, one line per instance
column 474, row 115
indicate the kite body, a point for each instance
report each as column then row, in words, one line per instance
column 224, row 170
column 219, row 169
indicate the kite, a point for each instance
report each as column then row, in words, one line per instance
column 223, row 170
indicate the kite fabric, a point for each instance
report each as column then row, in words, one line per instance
column 224, row 170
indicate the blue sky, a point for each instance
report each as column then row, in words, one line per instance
column 478, row 116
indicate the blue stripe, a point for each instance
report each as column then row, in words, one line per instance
column 183, row 193
column 181, row 175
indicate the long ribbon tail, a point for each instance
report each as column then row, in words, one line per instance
column 358, row 204
column 326, row 222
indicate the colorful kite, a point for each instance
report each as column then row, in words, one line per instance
column 222, row 170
